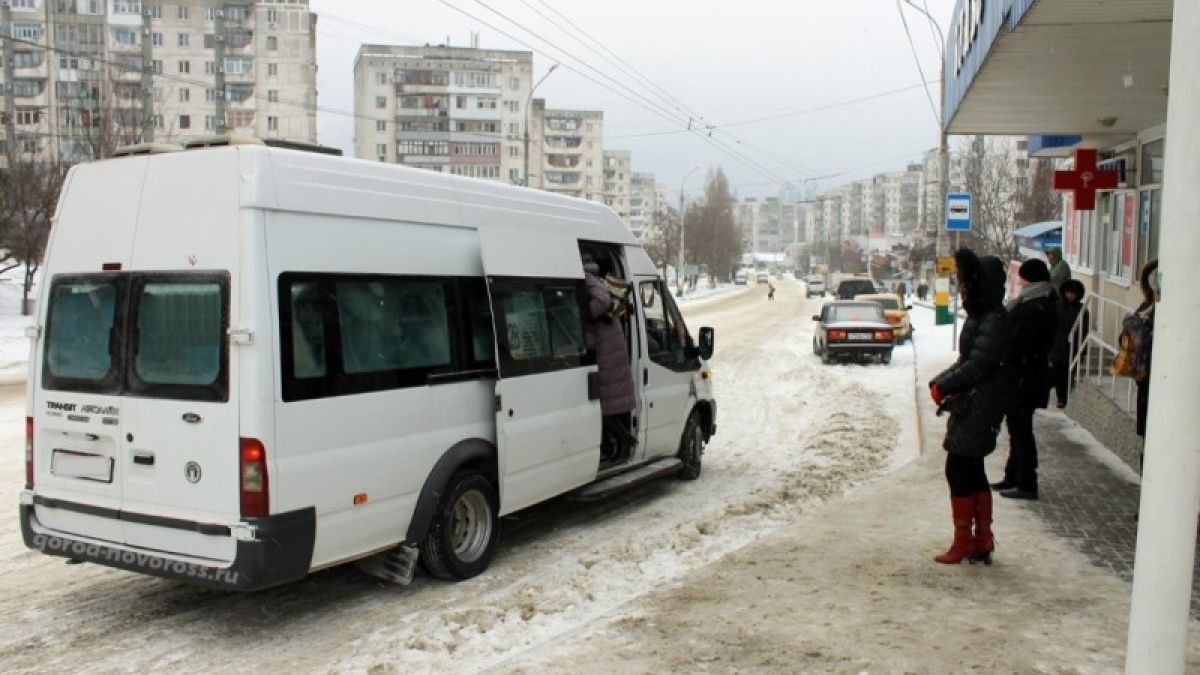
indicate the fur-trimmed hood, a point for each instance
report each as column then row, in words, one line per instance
column 981, row 280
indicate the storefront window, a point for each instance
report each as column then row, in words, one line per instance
column 1152, row 162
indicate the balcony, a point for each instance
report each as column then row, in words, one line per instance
column 563, row 161
column 564, row 142
column 427, row 135
column 564, row 179
column 420, row 113
column 476, row 114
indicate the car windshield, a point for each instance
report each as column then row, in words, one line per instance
column 855, row 313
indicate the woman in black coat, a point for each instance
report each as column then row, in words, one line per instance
column 972, row 391
column 1070, row 305
column 1034, row 317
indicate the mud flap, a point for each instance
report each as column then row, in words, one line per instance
column 397, row 565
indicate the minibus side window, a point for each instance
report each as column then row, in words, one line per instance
column 482, row 349
column 308, row 331
column 666, row 335
column 178, row 346
column 539, row 326
column 83, row 334
column 392, row 325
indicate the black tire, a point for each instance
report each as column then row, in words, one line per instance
column 464, row 530
column 816, row 349
column 691, row 448
column 886, row 357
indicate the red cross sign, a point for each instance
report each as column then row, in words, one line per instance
column 1085, row 180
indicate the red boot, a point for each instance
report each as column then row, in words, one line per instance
column 963, row 546
column 985, row 543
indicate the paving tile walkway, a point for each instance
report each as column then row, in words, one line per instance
column 1087, row 502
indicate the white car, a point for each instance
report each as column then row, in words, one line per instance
column 741, row 278
column 815, row 287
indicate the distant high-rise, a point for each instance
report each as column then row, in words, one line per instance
column 88, row 76
column 455, row 110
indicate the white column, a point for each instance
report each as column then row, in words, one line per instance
column 1162, row 580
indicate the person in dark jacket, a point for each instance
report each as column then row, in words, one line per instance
column 1150, row 297
column 972, row 391
column 1070, row 306
column 1034, row 317
column 618, row 395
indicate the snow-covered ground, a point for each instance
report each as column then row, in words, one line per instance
column 14, row 346
column 793, row 434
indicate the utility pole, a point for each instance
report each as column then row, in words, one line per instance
column 10, row 109
column 147, row 78
column 528, row 101
column 219, row 67
column 1166, row 538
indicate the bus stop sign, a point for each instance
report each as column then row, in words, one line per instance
column 958, row 212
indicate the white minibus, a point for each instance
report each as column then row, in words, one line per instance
column 251, row 362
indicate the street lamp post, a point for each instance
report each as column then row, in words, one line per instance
column 943, row 146
column 682, row 220
column 528, row 101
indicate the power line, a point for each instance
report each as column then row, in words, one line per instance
column 729, row 151
column 904, row 20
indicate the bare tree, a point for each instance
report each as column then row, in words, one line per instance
column 1040, row 202
column 712, row 235
column 997, row 190
column 29, row 192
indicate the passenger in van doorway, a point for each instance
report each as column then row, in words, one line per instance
column 618, row 396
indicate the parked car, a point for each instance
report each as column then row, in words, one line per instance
column 853, row 330
column 763, row 278
column 741, row 278
column 895, row 311
column 849, row 288
column 816, row 286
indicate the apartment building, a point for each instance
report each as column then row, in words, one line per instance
column 459, row 110
column 567, row 151
column 91, row 75
column 900, row 202
column 643, row 206
column 618, row 180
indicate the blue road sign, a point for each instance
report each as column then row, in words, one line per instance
column 958, row 212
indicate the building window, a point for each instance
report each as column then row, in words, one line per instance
column 272, row 43
column 381, row 78
column 156, row 66
column 380, row 102
column 381, row 150
column 514, row 106
column 273, row 96
column 272, row 124
column 183, row 40
column 514, row 151
column 156, row 39
column 155, row 11
column 514, row 83
column 22, row 30
column 185, row 121
column 272, row 16
column 514, row 129
column 185, row 95
column 158, row 121
column 181, row 12
column 381, row 125
column 272, row 69
column 460, row 102
column 210, row 13
column 210, row 95
column 210, row 122
column 514, row 175
column 185, row 66
column 209, row 68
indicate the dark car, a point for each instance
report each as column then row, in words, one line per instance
column 849, row 288
column 853, row 330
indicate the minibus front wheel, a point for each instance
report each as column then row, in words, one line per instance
column 691, row 447
column 464, row 530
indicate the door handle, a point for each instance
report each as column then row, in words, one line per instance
column 143, row 458
column 645, row 376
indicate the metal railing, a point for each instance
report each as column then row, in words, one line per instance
column 1093, row 362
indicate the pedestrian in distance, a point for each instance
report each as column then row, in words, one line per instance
column 1060, row 271
column 1070, row 307
column 1034, row 318
column 922, row 291
column 972, row 391
column 770, row 290
column 617, row 393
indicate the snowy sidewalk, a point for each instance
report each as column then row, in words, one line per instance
column 852, row 586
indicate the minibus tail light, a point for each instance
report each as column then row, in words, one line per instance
column 28, row 453
column 253, row 485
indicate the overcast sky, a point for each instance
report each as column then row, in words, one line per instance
column 730, row 61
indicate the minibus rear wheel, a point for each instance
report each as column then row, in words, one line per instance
column 691, row 448
column 464, row 530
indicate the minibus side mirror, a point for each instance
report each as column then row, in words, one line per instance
column 816, row 317
column 707, row 338
column 908, row 307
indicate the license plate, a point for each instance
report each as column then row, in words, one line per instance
column 861, row 337
column 71, row 464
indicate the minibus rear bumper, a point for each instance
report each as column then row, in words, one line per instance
column 278, row 550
